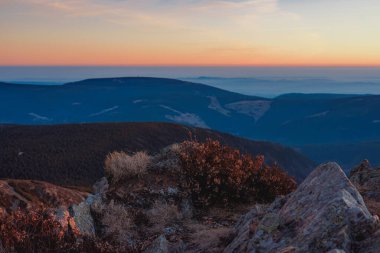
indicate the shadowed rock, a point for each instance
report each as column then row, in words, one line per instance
column 367, row 181
column 325, row 214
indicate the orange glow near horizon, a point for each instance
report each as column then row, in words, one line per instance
column 189, row 33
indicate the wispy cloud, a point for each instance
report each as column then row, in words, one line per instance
column 147, row 10
column 256, row 5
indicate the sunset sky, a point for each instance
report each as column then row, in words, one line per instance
column 190, row 32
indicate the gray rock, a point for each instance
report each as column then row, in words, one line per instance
column 270, row 222
column 325, row 213
column 169, row 231
column 160, row 245
column 81, row 215
column 244, row 228
column 172, row 191
column 367, row 180
column 101, row 186
column 360, row 174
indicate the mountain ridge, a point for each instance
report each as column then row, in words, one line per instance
column 296, row 120
column 74, row 154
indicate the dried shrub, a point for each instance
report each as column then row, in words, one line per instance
column 167, row 160
column 117, row 222
column 162, row 214
column 120, row 166
column 218, row 174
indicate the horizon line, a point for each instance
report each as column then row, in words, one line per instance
column 202, row 65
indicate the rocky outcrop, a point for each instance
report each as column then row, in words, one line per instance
column 325, row 214
column 367, row 181
column 31, row 194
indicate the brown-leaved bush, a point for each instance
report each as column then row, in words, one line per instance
column 218, row 174
column 36, row 231
column 32, row 231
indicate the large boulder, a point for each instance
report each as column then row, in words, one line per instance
column 325, row 214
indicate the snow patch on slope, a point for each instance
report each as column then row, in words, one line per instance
column 37, row 117
column 317, row 115
column 255, row 109
column 138, row 101
column 216, row 106
column 104, row 111
column 186, row 118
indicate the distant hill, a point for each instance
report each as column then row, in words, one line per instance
column 74, row 154
column 296, row 120
column 301, row 119
column 348, row 155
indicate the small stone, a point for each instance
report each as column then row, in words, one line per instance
column 172, row 191
column 270, row 222
column 169, row 231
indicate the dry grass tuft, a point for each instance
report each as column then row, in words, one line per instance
column 117, row 222
column 121, row 166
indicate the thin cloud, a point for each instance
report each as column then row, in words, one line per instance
column 154, row 7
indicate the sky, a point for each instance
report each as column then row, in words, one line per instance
column 190, row 32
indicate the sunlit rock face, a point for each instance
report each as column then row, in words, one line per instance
column 325, row 213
